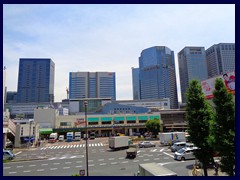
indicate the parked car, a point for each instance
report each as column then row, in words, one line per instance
column 185, row 154
column 145, row 144
column 8, row 155
column 178, row 145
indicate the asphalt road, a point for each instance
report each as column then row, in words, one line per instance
column 65, row 159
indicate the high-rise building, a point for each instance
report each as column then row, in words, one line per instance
column 135, row 83
column 35, row 80
column 92, row 85
column 157, row 78
column 192, row 65
column 4, row 86
column 220, row 59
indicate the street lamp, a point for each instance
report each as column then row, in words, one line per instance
column 85, row 105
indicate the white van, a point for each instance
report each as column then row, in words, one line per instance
column 185, row 153
column 61, row 138
column 7, row 154
column 178, row 145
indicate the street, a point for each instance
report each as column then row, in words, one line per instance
column 65, row 159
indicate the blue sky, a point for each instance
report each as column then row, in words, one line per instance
column 85, row 37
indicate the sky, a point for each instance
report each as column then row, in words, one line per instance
column 97, row 37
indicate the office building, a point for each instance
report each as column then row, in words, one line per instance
column 11, row 97
column 220, row 59
column 192, row 65
column 135, row 83
column 157, row 78
column 92, row 85
column 35, row 80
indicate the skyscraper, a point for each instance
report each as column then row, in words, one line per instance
column 35, row 80
column 157, row 78
column 135, row 83
column 92, row 85
column 220, row 59
column 192, row 65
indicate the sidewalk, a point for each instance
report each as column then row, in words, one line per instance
column 211, row 172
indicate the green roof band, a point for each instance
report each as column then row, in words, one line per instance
column 106, row 119
column 131, row 118
column 153, row 117
column 118, row 118
column 45, row 131
column 93, row 119
column 143, row 118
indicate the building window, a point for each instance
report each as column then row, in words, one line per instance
column 21, row 131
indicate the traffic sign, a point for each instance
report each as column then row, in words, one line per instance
column 82, row 172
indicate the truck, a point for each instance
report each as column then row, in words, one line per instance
column 171, row 137
column 77, row 136
column 154, row 169
column 132, row 151
column 92, row 135
column 69, row 136
column 53, row 137
column 118, row 142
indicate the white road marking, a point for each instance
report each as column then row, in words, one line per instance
column 135, row 160
column 6, row 167
column 98, row 144
column 89, row 145
column 64, row 147
column 40, row 170
column 18, row 152
column 80, row 145
column 138, row 151
column 74, row 146
column 156, row 158
column 168, row 154
column 101, row 160
column 52, row 158
column 68, row 162
column 78, row 161
column 91, row 165
column 12, row 172
column 62, row 157
column 32, row 165
column 111, row 159
column 66, row 167
column 102, row 164
column 27, row 171
column 146, row 159
column 83, row 145
column 72, row 157
column 153, row 150
column 53, row 169
column 125, row 162
column 78, row 166
column 68, row 146
column 44, row 164
column 77, row 145
column 71, row 146
column 101, row 144
column 161, row 150
column 19, row 166
column 56, row 163
column 113, row 162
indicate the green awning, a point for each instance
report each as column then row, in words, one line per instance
column 105, row 119
column 118, row 118
column 131, row 118
column 143, row 118
column 45, row 131
column 93, row 119
column 153, row 117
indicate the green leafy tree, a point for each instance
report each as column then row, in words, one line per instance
column 199, row 114
column 223, row 127
column 153, row 126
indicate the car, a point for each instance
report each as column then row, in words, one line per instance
column 178, row 145
column 8, row 155
column 185, row 154
column 145, row 144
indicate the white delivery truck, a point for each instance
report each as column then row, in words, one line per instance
column 154, row 169
column 77, row 136
column 118, row 142
column 53, row 137
column 171, row 137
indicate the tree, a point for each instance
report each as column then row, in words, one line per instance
column 153, row 126
column 199, row 114
column 223, row 127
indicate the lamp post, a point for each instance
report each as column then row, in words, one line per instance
column 29, row 140
column 86, row 133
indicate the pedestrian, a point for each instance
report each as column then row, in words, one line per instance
column 216, row 166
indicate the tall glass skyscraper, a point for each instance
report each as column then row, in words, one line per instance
column 220, row 59
column 35, row 80
column 157, row 78
column 192, row 65
column 135, row 83
column 92, row 85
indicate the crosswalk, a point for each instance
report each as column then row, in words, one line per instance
column 71, row 146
